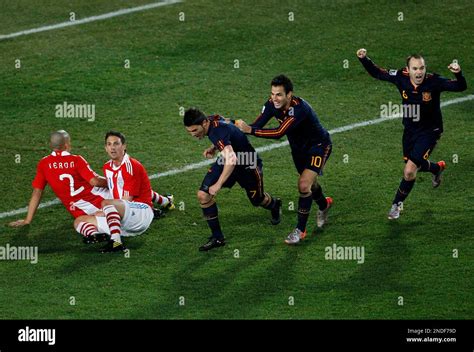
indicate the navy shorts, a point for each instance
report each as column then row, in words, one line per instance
column 313, row 159
column 418, row 146
column 249, row 179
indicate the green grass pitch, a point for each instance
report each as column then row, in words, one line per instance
column 220, row 55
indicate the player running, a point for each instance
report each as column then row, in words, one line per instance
column 239, row 162
column 422, row 119
column 310, row 145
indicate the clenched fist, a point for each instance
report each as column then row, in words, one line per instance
column 361, row 53
column 454, row 67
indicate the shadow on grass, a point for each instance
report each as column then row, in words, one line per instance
column 86, row 256
column 217, row 285
column 384, row 266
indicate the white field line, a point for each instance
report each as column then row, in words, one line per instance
column 89, row 19
column 259, row 150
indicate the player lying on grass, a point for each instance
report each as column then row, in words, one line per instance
column 422, row 119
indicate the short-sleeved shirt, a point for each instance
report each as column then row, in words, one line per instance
column 68, row 176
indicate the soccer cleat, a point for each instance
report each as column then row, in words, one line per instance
column 96, row 238
column 395, row 210
column 158, row 213
column 212, row 243
column 276, row 212
column 170, row 205
column 322, row 217
column 436, row 180
column 113, row 246
column 295, row 236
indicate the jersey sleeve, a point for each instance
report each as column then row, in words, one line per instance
column 295, row 116
column 264, row 116
column 40, row 180
column 84, row 169
column 378, row 72
column 452, row 85
column 220, row 137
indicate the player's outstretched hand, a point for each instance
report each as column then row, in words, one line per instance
column 18, row 223
column 454, row 67
column 361, row 53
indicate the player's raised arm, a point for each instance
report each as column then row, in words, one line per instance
column 32, row 207
column 361, row 53
column 374, row 70
column 457, row 85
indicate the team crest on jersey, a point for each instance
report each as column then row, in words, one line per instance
column 392, row 72
column 426, row 96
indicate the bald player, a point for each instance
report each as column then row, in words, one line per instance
column 73, row 181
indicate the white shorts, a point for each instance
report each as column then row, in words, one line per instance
column 136, row 220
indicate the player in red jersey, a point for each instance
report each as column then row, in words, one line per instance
column 73, row 181
column 130, row 212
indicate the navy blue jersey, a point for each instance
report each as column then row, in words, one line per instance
column 426, row 96
column 299, row 123
column 222, row 134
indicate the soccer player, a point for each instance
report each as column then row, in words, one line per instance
column 310, row 148
column 71, row 179
column 422, row 120
column 238, row 162
column 130, row 212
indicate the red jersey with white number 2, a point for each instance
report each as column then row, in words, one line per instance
column 129, row 179
column 68, row 176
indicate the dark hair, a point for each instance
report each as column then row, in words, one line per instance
column 193, row 116
column 116, row 134
column 282, row 80
column 413, row 56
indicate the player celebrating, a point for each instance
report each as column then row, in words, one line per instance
column 310, row 147
column 234, row 165
column 422, row 120
column 73, row 182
